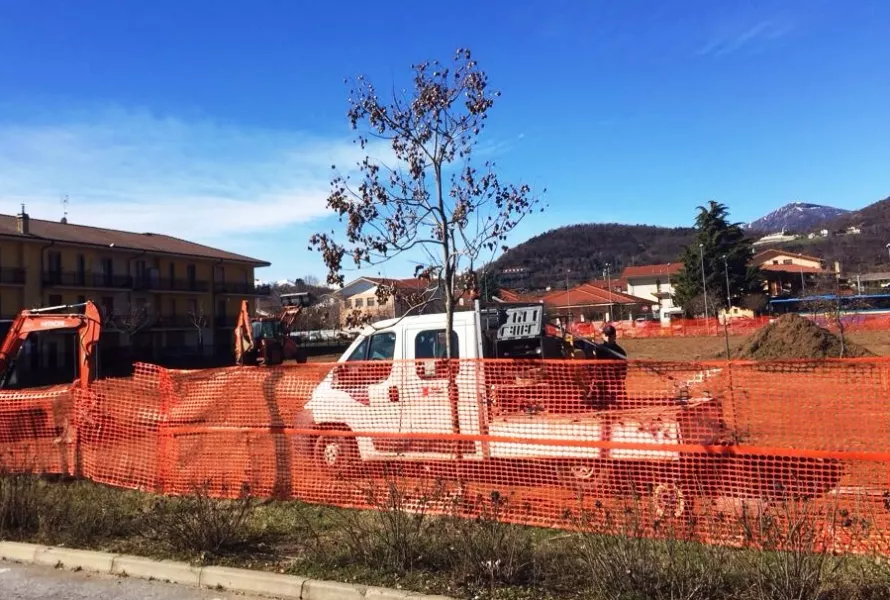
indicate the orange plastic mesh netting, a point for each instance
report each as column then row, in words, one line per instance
column 560, row 443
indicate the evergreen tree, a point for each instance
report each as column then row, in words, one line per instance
column 715, row 238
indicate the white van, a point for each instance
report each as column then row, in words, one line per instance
column 388, row 400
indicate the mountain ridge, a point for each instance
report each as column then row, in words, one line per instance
column 579, row 253
column 796, row 217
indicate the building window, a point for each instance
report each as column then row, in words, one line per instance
column 371, row 302
column 108, row 271
column 81, row 269
column 191, row 274
column 193, row 307
column 787, row 261
column 54, row 262
column 172, row 307
column 347, row 303
column 359, row 302
column 81, row 299
column 172, row 271
column 775, row 262
column 55, row 299
column 107, row 306
column 219, row 274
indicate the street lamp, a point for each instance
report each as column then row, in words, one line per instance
column 888, row 249
column 704, row 285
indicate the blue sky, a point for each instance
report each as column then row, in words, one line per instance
column 218, row 121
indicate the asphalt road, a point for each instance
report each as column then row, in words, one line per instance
column 29, row 582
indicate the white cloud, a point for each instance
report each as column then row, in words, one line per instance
column 198, row 179
column 733, row 36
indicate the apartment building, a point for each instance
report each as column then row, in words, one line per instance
column 360, row 297
column 160, row 296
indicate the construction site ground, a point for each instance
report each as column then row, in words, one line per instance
column 703, row 348
column 706, row 348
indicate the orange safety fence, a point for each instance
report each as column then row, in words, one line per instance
column 739, row 326
column 562, row 443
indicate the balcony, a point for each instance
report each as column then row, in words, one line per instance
column 241, row 289
column 175, row 322
column 224, row 321
column 86, row 280
column 12, row 276
column 157, row 284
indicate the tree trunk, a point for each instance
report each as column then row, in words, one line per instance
column 448, row 276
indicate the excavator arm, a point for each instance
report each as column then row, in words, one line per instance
column 244, row 341
column 88, row 325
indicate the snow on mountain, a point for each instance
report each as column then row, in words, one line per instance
column 799, row 217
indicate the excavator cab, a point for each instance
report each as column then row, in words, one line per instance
column 84, row 319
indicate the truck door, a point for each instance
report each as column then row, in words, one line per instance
column 372, row 378
column 426, row 406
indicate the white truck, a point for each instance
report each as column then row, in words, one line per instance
column 392, row 397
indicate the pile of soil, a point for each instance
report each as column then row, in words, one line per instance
column 793, row 336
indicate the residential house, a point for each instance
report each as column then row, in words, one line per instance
column 653, row 282
column 160, row 296
column 591, row 303
column 360, row 296
column 790, row 274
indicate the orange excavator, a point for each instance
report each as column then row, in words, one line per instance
column 88, row 325
column 267, row 340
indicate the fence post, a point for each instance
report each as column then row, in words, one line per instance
column 164, row 448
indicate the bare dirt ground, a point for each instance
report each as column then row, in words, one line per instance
column 707, row 348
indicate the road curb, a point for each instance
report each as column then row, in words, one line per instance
column 244, row 581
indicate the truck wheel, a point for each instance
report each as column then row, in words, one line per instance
column 336, row 455
column 670, row 500
column 586, row 473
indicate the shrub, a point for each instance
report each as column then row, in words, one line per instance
column 21, row 501
column 490, row 552
column 198, row 523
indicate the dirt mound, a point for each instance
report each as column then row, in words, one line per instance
column 793, row 336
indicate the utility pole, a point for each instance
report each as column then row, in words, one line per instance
column 728, row 306
column 567, row 297
column 704, row 284
column 609, row 285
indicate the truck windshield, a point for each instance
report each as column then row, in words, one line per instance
column 265, row 329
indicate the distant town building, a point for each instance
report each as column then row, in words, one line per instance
column 654, row 282
column 788, row 273
column 361, row 295
column 776, row 238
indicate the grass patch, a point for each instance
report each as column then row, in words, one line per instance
column 403, row 544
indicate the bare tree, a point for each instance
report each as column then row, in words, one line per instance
column 130, row 318
column 199, row 320
column 824, row 300
column 431, row 199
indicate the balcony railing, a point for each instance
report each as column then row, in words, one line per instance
column 12, row 276
column 86, row 280
column 172, row 285
column 244, row 289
